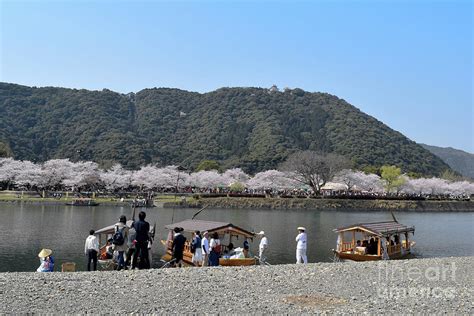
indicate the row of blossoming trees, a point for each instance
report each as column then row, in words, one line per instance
column 62, row 174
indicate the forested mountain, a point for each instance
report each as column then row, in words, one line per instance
column 458, row 160
column 252, row 128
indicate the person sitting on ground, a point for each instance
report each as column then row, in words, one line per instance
column 46, row 261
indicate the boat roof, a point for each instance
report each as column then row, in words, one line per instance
column 191, row 225
column 111, row 229
column 378, row 228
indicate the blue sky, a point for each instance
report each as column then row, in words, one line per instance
column 407, row 63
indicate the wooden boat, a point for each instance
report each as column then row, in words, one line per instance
column 142, row 203
column 82, row 202
column 228, row 233
column 377, row 241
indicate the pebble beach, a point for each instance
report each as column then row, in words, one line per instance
column 437, row 285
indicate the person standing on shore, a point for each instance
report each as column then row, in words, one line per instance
column 301, row 246
column 196, row 249
column 142, row 229
column 262, row 248
column 205, row 249
column 178, row 246
column 91, row 249
column 119, row 241
column 215, row 246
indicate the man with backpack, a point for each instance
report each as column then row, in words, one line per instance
column 142, row 230
column 119, row 241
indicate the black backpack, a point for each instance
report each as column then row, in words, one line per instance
column 117, row 238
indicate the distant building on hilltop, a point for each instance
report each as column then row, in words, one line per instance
column 273, row 88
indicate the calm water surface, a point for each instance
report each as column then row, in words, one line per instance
column 25, row 229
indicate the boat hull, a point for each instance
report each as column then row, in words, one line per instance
column 360, row 257
column 82, row 204
column 187, row 259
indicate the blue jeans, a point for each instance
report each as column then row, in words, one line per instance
column 121, row 260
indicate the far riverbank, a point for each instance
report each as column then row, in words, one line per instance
column 169, row 201
column 324, row 204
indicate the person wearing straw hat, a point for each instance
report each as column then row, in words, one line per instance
column 301, row 246
column 46, row 261
column 262, row 248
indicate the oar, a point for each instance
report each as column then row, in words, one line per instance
column 393, row 216
column 199, row 212
column 133, row 212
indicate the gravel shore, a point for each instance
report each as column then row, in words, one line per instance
column 405, row 286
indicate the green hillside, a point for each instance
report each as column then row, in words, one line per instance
column 458, row 160
column 252, row 128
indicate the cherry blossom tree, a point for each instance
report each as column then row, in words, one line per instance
column 146, row 177
column 272, row 179
column 459, row 188
column 208, row 179
column 83, row 174
column 359, row 180
column 30, row 176
column 10, row 169
column 116, row 178
column 56, row 171
column 314, row 169
column 171, row 177
column 236, row 175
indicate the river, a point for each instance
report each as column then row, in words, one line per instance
column 26, row 228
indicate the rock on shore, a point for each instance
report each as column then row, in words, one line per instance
column 404, row 286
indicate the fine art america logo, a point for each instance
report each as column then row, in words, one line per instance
column 399, row 282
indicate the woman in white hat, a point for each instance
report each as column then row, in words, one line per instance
column 46, row 261
column 301, row 246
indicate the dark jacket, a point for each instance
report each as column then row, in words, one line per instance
column 142, row 228
column 178, row 243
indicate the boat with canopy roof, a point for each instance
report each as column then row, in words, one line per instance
column 374, row 241
column 228, row 234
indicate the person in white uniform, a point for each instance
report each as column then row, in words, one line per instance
column 262, row 248
column 205, row 249
column 301, row 241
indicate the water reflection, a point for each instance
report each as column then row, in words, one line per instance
column 25, row 229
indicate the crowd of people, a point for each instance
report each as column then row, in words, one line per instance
column 207, row 251
column 129, row 248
